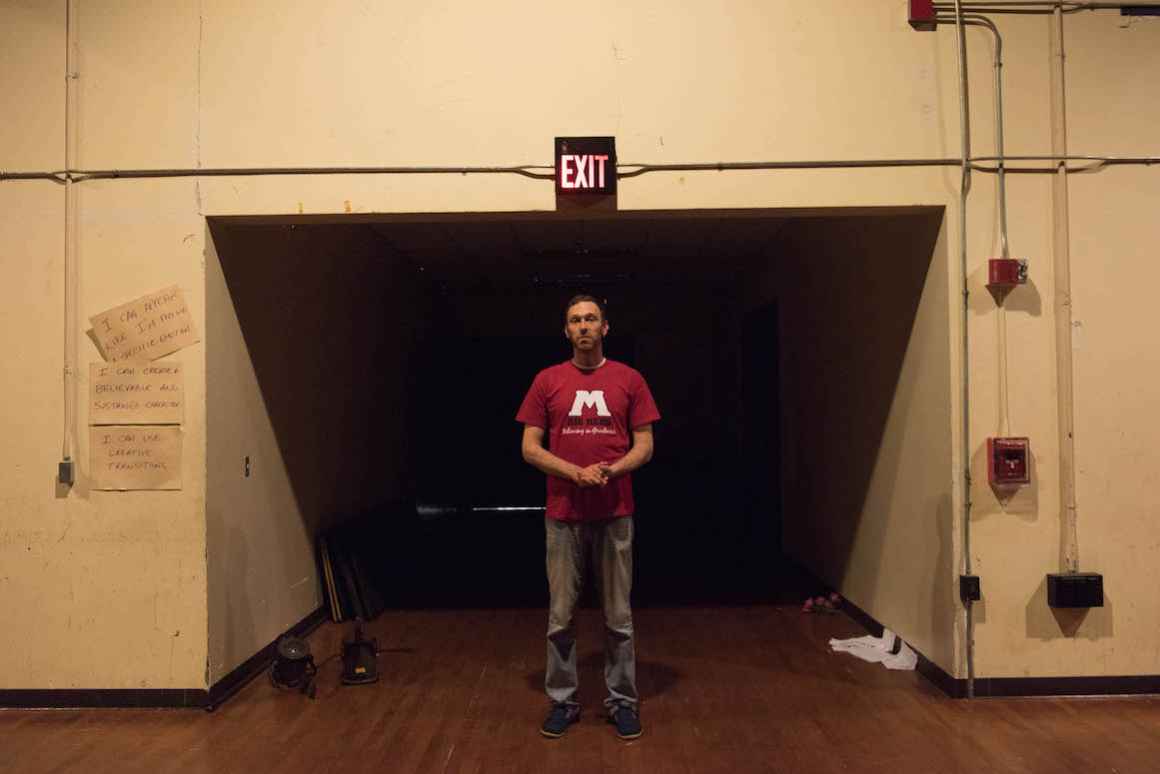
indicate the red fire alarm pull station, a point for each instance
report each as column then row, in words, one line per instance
column 1008, row 461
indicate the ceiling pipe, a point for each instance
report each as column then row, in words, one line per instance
column 1042, row 7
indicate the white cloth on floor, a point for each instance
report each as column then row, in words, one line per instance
column 877, row 650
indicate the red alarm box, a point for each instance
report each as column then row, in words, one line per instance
column 921, row 15
column 1008, row 461
column 1006, row 273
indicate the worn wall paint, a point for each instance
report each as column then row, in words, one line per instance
column 123, row 573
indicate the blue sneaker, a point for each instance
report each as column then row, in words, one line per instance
column 626, row 720
column 559, row 718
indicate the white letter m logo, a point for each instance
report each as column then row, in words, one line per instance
column 586, row 399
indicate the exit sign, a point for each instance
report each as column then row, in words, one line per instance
column 585, row 165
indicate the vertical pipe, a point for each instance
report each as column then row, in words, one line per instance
column 68, row 442
column 999, row 144
column 964, row 189
column 1004, row 252
column 1069, row 539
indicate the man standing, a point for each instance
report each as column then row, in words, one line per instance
column 598, row 416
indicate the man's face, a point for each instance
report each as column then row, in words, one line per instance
column 584, row 326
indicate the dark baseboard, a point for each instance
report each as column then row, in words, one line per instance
column 103, row 698
column 1095, row 685
column 155, row 698
column 256, row 664
column 927, row 668
column 940, row 678
column 994, row 687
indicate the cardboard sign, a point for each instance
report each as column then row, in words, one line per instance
column 145, row 329
column 131, row 393
column 123, row 457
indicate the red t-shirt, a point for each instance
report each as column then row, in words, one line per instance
column 588, row 415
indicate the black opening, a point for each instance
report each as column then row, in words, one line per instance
column 392, row 354
column 708, row 518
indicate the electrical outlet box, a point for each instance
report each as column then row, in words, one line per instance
column 1006, row 273
column 1075, row 589
column 970, row 589
column 1008, row 461
column 921, row 15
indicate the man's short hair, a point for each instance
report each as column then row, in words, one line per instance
column 582, row 297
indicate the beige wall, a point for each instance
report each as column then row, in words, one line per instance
column 103, row 589
column 262, row 83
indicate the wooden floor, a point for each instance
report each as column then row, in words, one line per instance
column 725, row 689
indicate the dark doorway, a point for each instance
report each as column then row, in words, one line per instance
column 707, row 521
column 455, row 315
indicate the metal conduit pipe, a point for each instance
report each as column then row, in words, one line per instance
column 71, row 356
column 624, row 170
column 1001, row 313
column 1112, row 160
column 965, row 364
column 55, row 177
column 982, row 21
column 1043, row 7
column 1069, row 538
column 115, row 174
column 634, row 170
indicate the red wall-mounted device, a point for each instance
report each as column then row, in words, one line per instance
column 1006, row 273
column 922, row 15
column 1008, row 461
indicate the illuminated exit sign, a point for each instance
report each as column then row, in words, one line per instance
column 585, row 165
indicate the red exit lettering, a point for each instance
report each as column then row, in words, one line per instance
column 579, row 171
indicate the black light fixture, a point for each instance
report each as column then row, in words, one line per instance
column 294, row 666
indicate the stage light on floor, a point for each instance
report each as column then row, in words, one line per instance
column 294, row 666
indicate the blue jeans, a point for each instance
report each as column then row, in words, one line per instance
column 609, row 544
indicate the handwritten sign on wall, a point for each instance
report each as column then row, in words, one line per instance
column 145, row 329
column 135, row 457
column 129, row 393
